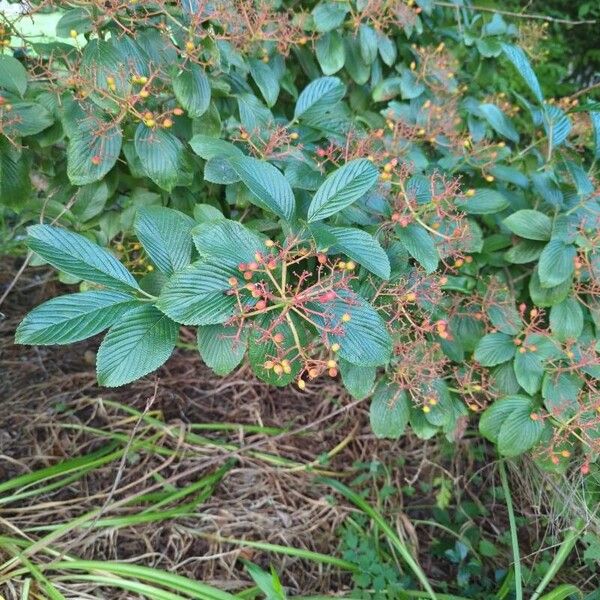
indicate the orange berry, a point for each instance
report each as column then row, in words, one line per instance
column 232, row 281
column 269, row 365
column 167, row 123
column 178, row 111
column 278, row 338
column 312, row 373
column 332, row 372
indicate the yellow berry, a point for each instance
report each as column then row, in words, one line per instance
column 189, row 46
column 489, row 178
column 301, row 384
column 346, row 317
column 269, row 243
column 335, row 347
column 73, row 33
column 278, row 369
column 470, row 193
column 149, row 122
column 331, row 364
column 350, row 265
column 150, row 268
column 426, row 409
column 294, row 135
column 144, row 93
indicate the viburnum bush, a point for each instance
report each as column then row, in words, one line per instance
column 375, row 191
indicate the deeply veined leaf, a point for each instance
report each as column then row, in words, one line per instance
column 222, row 348
column 357, row 380
column 556, row 124
column 556, row 263
column 192, row 89
column 363, row 338
column 595, row 118
column 530, row 224
column 76, row 19
column 13, row 75
column 519, row 432
column 389, row 411
column 484, row 202
column 73, row 317
column 210, row 147
column 25, row 119
column 329, row 15
column 227, row 241
column 138, row 344
column 330, row 52
column 319, row 95
column 270, row 189
column 519, row 59
column 15, row 184
column 499, row 122
column 166, row 236
column 529, row 370
column 342, row 188
column 77, row 256
column 262, row 348
column 494, row 348
column 197, row 295
column 161, row 155
column 566, row 320
column 493, row 417
column 419, row 244
column 357, row 245
column 266, row 80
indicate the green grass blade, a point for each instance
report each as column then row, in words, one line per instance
column 514, row 539
column 391, row 535
column 562, row 592
column 557, row 562
column 176, row 583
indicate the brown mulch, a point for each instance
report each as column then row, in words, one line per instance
column 51, row 409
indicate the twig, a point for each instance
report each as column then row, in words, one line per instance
column 521, row 15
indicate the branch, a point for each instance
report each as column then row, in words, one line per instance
column 520, row 15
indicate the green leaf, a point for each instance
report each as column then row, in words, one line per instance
column 364, row 339
column 357, row 245
column 389, row 411
column 494, row 348
column 556, row 264
column 94, row 142
column 318, row 96
column 484, row 202
column 542, row 296
column 266, row 80
column 13, row 75
column 222, row 348
column 72, row 318
column 356, row 379
column 556, row 124
column 524, row 252
column 270, row 189
column 166, row 236
column 192, row 89
column 367, row 37
column 530, row 224
column 529, row 371
column 226, row 241
column 494, row 416
column 77, row 256
column 566, row 320
column 419, row 245
column 15, row 184
column 25, row 118
column 595, row 118
column 209, row 147
column 329, row 15
column 344, row 186
column 519, row 432
column 499, row 122
column 262, row 348
column 76, row 19
column 505, row 318
column 137, row 345
column 330, row 52
column 521, row 63
column 198, row 294
column 161, row 154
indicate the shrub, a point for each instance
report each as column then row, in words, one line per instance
column 371, row 190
